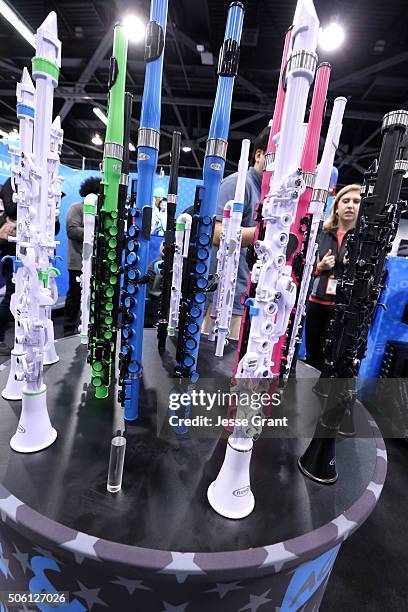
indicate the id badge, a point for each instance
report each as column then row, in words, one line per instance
column 331, row 286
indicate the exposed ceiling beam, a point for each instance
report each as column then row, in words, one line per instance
column 191, row 44
column 89, row 71
column 349, row 159
column 70, row 94
column 369, row 70
column 180, row 118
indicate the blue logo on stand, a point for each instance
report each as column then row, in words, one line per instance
column 307, row 579
column 40, row 583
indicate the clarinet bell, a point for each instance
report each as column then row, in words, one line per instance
column 230, row 494
column 347, row 427
column 34, row 430
column 14, row 388
column 318, row 462
column 50, row 355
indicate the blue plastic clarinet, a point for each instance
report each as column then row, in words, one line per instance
column 140, row 214
column 196, row 283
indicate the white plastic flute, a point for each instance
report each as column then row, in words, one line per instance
column 54, row 203
column 228, row 278
column 221, row 257
column 182, row 241
column 25, row 113
column 90, row 203
column 317, row 206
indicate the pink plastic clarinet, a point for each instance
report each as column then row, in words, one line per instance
column 299, row 230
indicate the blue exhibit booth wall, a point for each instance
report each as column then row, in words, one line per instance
column 72, row 181
column 389, row 322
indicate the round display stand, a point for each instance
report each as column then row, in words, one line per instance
column 157, row 545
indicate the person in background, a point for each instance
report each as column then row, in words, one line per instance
column 75, row 233
column 252, row 198
column 331, row 259
column 8, row 223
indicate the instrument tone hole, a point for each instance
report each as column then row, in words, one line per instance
column 202, row 254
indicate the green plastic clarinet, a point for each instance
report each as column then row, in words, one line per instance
column 107, row 253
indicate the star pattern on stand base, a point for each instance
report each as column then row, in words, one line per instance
column 256, row 601
column 131, row 585
column 222, row 588
column 170, row 608
column 22, row 558
column 90, row 596
column 82, row 546
column 180, row 565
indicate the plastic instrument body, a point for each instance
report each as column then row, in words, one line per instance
column 182, row 241
column 317, row 206
column 266, row 177
column 299, row 232
column 139, row 226
column 276, row 292
column 193, row 303
column 229, row 272
column 169, row 243
column 362, row 282
column 358, row 293
column 25, row 115
column 90, row 208
column 221, row 258
column 107, row 252
column 38, row 183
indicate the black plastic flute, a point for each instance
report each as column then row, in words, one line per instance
column 169, row 238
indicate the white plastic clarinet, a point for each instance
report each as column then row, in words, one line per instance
column 221, row 257
column 90, row 203
column 25, row 113
column 228, row 278
column 276, row 291
column 182, row 241
column 230, row 494
column 34, row 246
column 317, row 206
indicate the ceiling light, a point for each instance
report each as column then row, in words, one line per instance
column 132, row 147
column 331, row 37
column 97, row 140
column 186, row 149
column 135, row 28
column 14, row 19
column 100, row 114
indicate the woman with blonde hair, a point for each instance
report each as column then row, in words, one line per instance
column 331, row 259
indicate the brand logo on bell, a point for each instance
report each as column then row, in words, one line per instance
column 332, row 462
column 21, row 429
column 143, row 157
column 215, row 167
column 241, row 492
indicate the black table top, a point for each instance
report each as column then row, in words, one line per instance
column 163, row 502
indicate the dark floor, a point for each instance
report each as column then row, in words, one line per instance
column 371, row 572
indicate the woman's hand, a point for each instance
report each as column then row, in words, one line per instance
column 327, row 263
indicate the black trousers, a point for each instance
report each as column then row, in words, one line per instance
column 317, row 321
column 5, row 314
column 72, row 304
